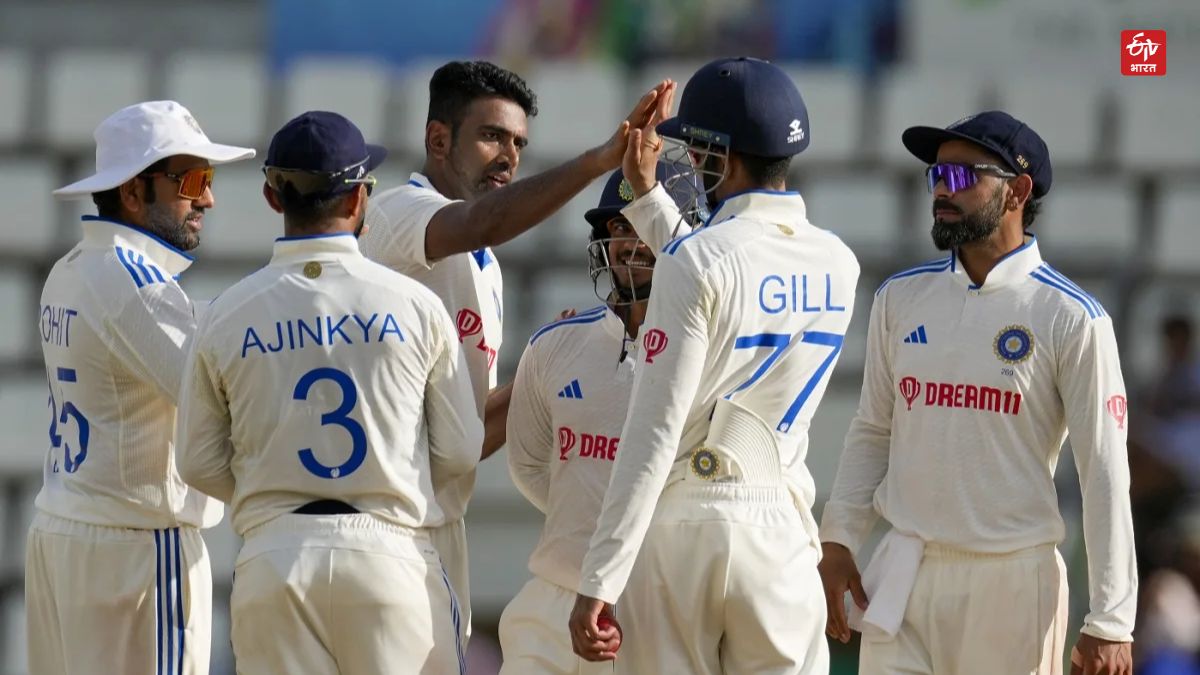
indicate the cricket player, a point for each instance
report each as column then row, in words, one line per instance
column 977, row 367
column 323, row 392
column 439, row 229
column 564, row 424
column 117, row 577
column 709, row 492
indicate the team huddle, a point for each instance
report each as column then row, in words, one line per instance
column 339, row 399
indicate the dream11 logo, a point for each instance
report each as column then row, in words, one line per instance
column 654, row 343
column 566, row 441
column 1118, row 407
column 1144, row 52
column 469, row 323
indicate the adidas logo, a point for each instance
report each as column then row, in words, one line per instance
column 917, row 337
column 571, row 390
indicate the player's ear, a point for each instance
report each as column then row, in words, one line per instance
column 354, row 204
column 1021, row 191
column 272, row 197
column 133, row 194
column 438, row 138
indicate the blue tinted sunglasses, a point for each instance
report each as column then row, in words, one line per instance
column 961, row 176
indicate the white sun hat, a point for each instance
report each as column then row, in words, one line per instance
column 135, row 137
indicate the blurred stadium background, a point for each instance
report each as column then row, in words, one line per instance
column 1121, row 218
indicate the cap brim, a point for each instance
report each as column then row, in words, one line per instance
column 215, row 153
column 375, row 156
column 923, row 142
column 670, row 128
column 600, row 216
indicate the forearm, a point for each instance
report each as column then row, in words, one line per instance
column 495, row 419
column 656, row 218
column 850, row 514
column 501, row 215
column 1091, row 384
column 1108, row 536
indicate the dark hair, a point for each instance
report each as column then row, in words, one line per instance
column 108, row 202
column 766, row 170
column 1032, row 206
column 457, row 84
column 305, row 212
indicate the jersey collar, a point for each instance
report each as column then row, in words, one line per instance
column 612, row 322
column 418, row 179
column 294, row 249
column 107, row 232
column 1013, row 267
column 772, row 206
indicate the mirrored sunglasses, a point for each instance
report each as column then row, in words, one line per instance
column 961, row 176
column 192, row 183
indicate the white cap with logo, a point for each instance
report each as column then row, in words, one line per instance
column 135, row 137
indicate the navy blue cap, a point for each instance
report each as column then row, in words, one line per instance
column 322, row 142
column 1019, row 146
column 618, row 193
column 745, row 104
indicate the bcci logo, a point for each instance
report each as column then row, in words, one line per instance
column 797, row 132
column 1013, row 344
column 625, row 190
column 705, row 463
column 191, row 122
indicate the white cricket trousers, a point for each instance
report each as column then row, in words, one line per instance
column 726, row 582
column 534, row 635
column 115, row 600
column 984, row 614
column 343, row 594
column 450, row 540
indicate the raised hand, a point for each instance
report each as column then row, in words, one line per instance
column 613, row 150
column 644, row 146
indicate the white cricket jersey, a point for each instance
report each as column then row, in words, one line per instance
column 326, row 376
column 115, row 329
column 754, row 306
column 968, row 395
column 568, row 406
column 656, row 218
column 469, row 285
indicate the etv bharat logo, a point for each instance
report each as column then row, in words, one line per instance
column 1144, row 52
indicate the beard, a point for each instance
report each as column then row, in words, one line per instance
column 969, row 228
column 474, row 184
column 161, row 222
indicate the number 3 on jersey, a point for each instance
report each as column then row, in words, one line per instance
column 339, row 417
column 779, row 342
